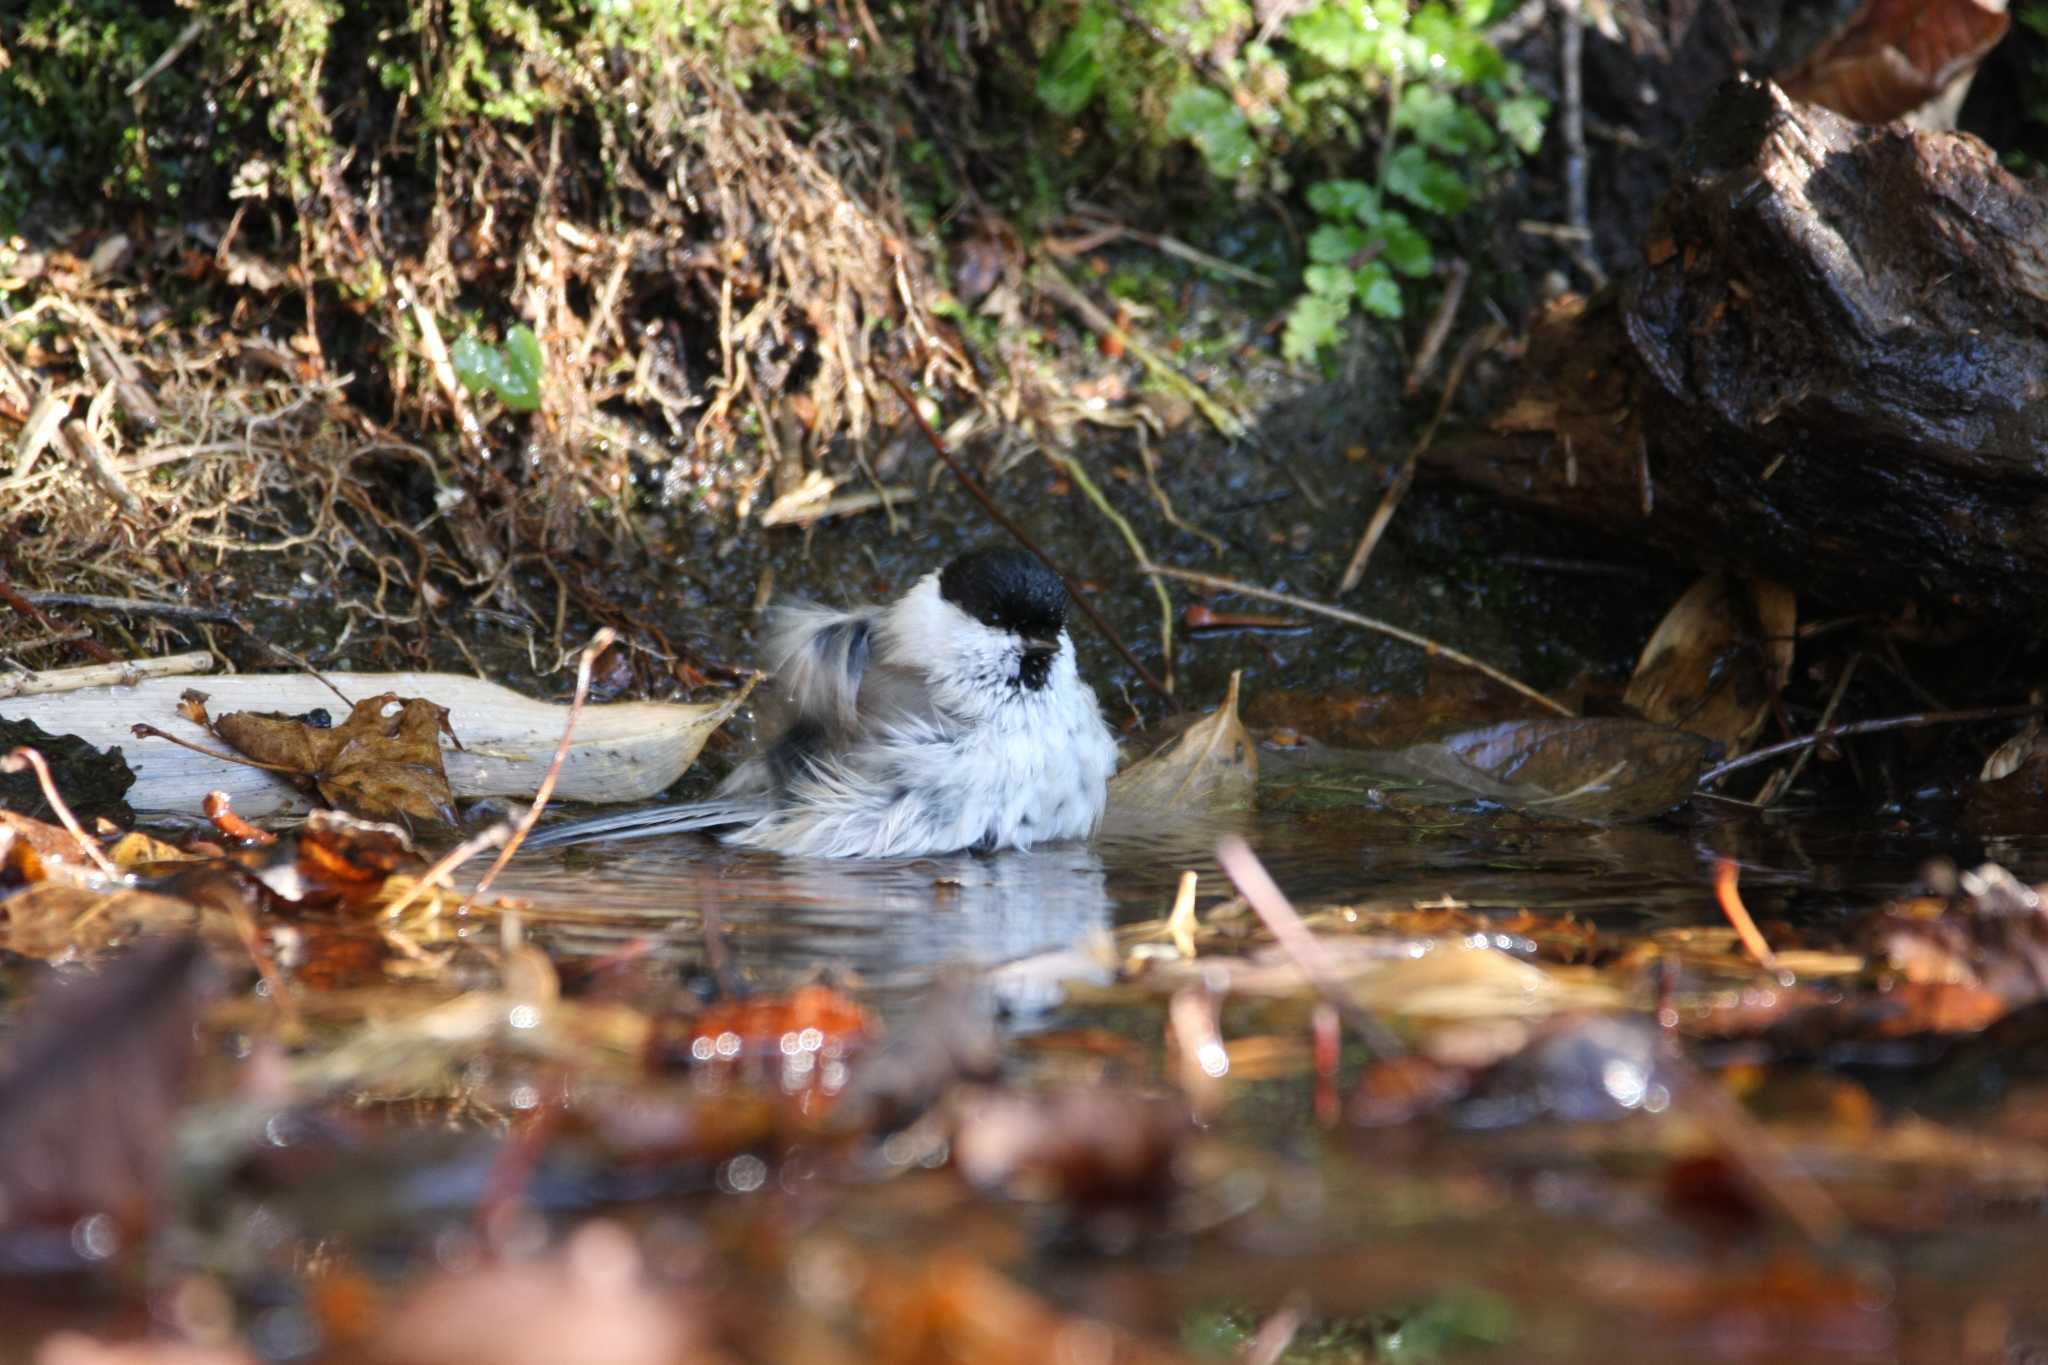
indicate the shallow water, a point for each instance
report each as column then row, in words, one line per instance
column 891, row 924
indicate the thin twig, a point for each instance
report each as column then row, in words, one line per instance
column 1074, row 471
column 1439, row 330
column 1728, row 894
column 1781, row 782
column 1054, row 281
column 25, row 757
column 1571, row 47
column 1300, row 944
column 1002, row 519
column 186, row 37
column 599, row 643
column 1404, row 478
column 1270, row 1342
column 141, row 731
column 1218, row 583
column 133, row 606
column 118, row 673
column 1755, row 1154
column 494, row 837
column 1871, row 727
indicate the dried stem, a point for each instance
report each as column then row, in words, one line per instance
column 1871, row 727
column 1218, row 583
column 1726, row 876
column 494, row 837
column 25, row 757
column 599, row 643
column 1264, row 895
column 1073, row 470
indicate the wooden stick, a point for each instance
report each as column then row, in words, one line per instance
column 133, row 606
column 1871, row 727
column 123, row 673
column 1218, row 583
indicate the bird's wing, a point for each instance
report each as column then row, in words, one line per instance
column 897, row 698
column 818, row 657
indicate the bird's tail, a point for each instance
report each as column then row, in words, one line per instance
column 645, row 823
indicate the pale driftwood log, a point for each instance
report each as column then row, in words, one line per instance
column 122, row 674
column 624, row 751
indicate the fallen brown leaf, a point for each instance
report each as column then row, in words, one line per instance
column 382, row 763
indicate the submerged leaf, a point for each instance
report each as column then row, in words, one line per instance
column 1588, row 769
column 1212, row 767
column 89, row 1083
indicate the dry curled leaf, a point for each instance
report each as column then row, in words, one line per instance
column 382, row 763
column 1213, row 766
column 1718, row 659
column 1896, row 56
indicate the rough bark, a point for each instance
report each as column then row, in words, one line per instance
column 1828, row 368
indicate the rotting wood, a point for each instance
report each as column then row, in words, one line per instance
column 1830, row 366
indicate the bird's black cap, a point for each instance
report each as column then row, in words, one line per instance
column 1008, row 590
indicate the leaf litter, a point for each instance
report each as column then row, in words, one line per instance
column 627, row 1146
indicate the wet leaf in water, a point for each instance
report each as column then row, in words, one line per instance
column 32, row 851
column 808, row 1028
column 1592, row 769
column 590, row 1302
column 2010, row 796
column 1895, row 56
column 56, row 921
column 954, row 1307
column 1212, row 767
column 76, row 1348
column 1718, row 660
column 1583, row 1068
column 382, row 763
column 1452, row 699
column 89, row 1084
column 1992, row 934
column 1108, row 1156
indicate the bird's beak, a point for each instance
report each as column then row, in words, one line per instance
column 1048, row 648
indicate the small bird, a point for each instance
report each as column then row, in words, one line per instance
column 952, row 718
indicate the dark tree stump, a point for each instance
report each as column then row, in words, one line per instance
column 1829, row 369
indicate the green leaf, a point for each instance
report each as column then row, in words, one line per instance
column 1440, row 122
column 513, row 374
column 1214, row 123
column 1342, row 198
column 1403, row 247
column 1446, row 49
column 524, row 364
column 1336, row 281
column 1379, row 293
column 1521, row 121
column 1337, row 243
column 1331, row 34
column 1071, row 73
column 1315, row 321
column 1425, row 183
